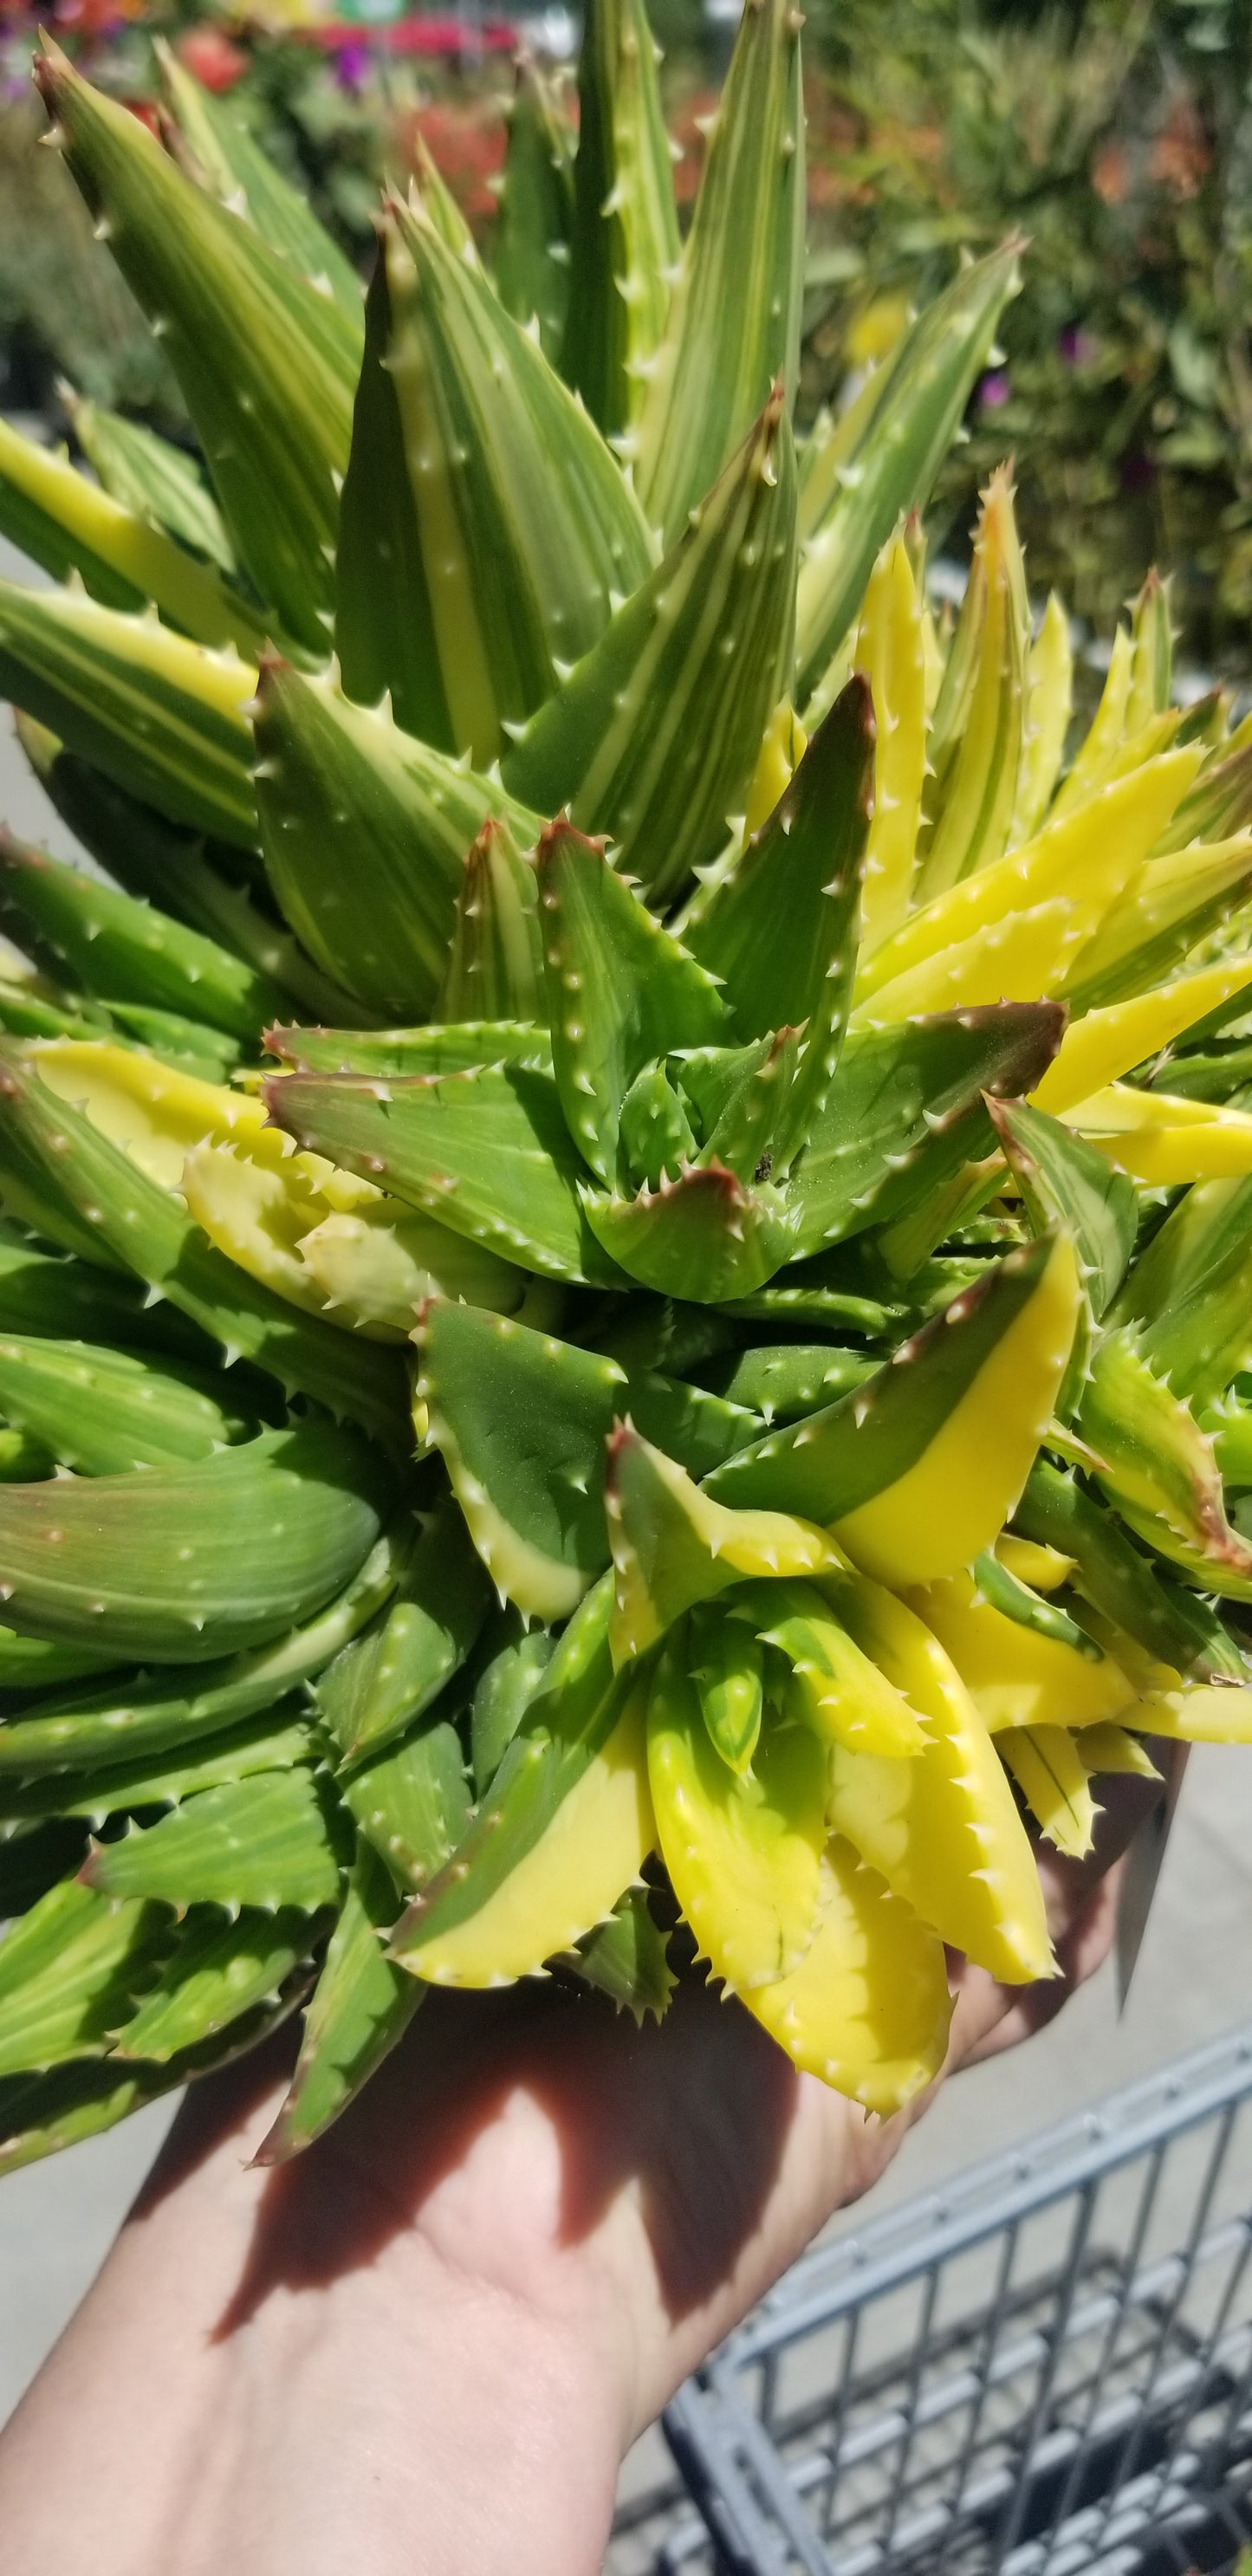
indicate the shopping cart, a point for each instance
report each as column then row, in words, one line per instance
column 1044, row 2369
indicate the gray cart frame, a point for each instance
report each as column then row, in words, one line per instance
column 1043, row 2369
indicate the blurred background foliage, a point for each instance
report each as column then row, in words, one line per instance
column 1115, row 134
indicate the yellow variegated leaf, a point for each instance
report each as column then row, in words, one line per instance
column 890, row 650
column 868, row 2007
column 1109, row 1749
column 1107, row 731
column 1198, row 1713
column 943, row 1511
column 1049, row 699
column 943, row 1831
column 1052, row 1776
column 1015, row 1677
column 1019, row 959
column 1098, row 847
column 1043, row 1569
column 779, row 757
column 591, row 1850
column 1096, row 1050
column 743, row 1852
column 1166, row 1141
column 256, row 1217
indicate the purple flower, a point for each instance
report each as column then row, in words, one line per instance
column 352, row 63
column 993, row 392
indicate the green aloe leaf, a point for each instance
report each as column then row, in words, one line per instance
column 102, row 1412
column 32, row 1664
column 70, row 526
column 365, row 831
column 155, row 479
column 495, row 960
column 518, row 530
column 726, row 1662
column 487, row 1152
column 436, row 1049
column 213, row 144
column 68, row 1971
column 273, row 1840
column 627, row 1959
column 532, row 262
column 275, row 1742
column 362, row 2004
column 503, row 1692
column 1172, row 1625
column 75, row 1301
column 804, row 866
column 74, row 1185
column 703, row 1235
column 139, row 1717
column 673, row 1546
column 126, row 951
column 782, row 1381
column 624, row 243
column 854, row 496
column 161, row 863
column 1016, row 1600
column 522, row 1421
column 412, row 1803
column 384, row 1680
column 218, row 1972
column 181, row 1563
column 620, row 990
column 974, row 747
column 906, row 1109
column 1063, row 1180
column 1192, row 1292
column 654, row 736
column 569, row 1726
column 1158, row 1467
column 266, row 364
column 41, row 2114
column 159, row 716
column 733, row 327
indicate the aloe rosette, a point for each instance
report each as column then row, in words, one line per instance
column 707, row 1132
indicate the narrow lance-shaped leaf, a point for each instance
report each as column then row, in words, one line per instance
column 976, row 739
column 360, row 2008
column 152, row 477
column 271, row 1841
column 916, row 1470
column 69, row 525
column 624, row 245
column 412, row 1802
column 386, row 1679
column 69, row 1972
column 102, row 1412
column 905, row 435
column 213, row 144
column 536, row 216
column 1170, row 1624
column 626, row 1958
column 1065, row 1181
column 181, row 1563
column 265, row 363
column 620, row 991
column 1049, row 703
column 1158, row 1467
column 365, row 831
column 733, row 327
column 193, row 882
column 890, row 650
column 126, row 951
column 129, row 1718
column 522, row 525
column 217, row 1974
column 495, row 959
column 161, row 717
column 653, row 737
column 674, row 1546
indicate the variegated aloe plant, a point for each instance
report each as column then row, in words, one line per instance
column 707, row 1136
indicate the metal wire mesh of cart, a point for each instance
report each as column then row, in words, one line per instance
column 1043, row 2370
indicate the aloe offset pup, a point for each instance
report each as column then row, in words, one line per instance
column 625, row 1270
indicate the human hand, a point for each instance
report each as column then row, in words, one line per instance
column 422, row 2349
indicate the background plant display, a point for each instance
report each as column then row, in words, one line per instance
column 708, row 1134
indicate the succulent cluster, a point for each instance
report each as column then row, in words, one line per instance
column 707, row 1135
